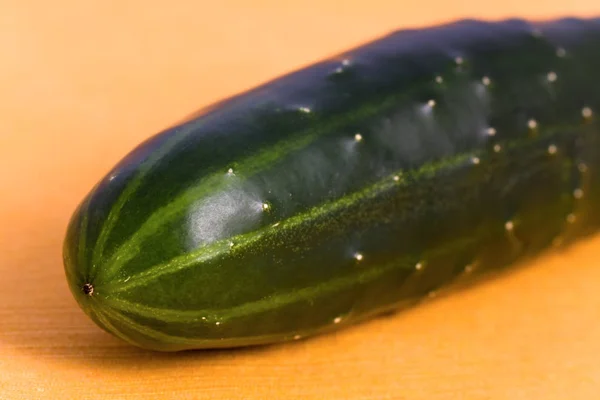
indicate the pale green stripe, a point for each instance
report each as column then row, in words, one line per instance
column 174, row 343
column 242, row 241
column 177, row 343
column 130, row 188
column 247, row 167
column 113, row 329
column 362, row 276
column 149, row 332
column 266, row 304
column 131, row 247
column 187, row 260
column 115, row 306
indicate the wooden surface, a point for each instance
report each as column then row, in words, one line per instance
column 82, row 82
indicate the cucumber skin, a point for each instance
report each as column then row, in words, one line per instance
column 266, row 218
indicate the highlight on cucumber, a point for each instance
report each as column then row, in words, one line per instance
column 361, row 184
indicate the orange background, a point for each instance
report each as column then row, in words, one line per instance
column 82, row 82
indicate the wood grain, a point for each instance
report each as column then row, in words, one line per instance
column 83, row 82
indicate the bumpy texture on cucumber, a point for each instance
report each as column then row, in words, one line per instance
column 348, row 188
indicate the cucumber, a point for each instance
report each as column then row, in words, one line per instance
column 353, row 187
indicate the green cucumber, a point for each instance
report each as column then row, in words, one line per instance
column 347, row 189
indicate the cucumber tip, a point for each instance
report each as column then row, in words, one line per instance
column 88, row 289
